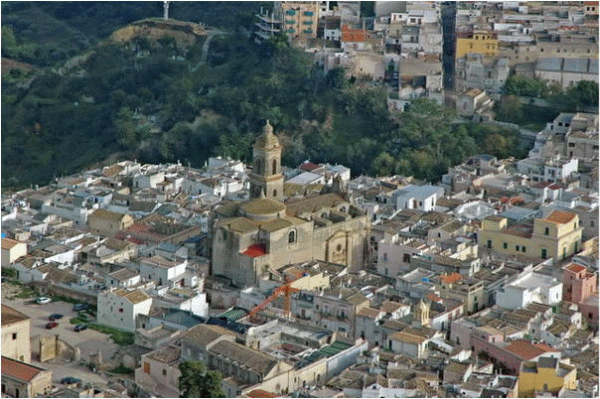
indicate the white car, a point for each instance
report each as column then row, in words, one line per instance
column 43, row 299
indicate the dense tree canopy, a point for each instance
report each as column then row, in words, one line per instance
column 159, row 103
column 197, row 382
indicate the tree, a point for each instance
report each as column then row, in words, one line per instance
column 585, row 92
column 510, row 109
column 197, row 382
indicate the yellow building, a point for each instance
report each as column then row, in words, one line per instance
column 546, row 375
column 479, row 42
column 556, row 236
column 108, row 223
column 299, row 19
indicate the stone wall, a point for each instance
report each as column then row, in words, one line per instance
column 50, row 348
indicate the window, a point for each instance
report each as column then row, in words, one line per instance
column 120, row 310
column 14, row 336
column 505, row 245
column 292, row 236
column 591, row 223
column 547, row 231
column 544, row 253
column 406, row 258
column 489, row 244
column 339, row 248
column 517, row 248
column 274, row 193
column 523, row 249
column 386, row 271
column 164, row 372
column 384, row 254
column 274, row 166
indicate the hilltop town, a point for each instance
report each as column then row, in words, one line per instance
column 269, row 279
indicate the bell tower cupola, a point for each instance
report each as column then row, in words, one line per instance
column 266, row 178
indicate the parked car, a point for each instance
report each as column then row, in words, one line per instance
column 51, row 325
column 80, row 327
column 55, row 316
column 43, row 299
column 80, row 306
column 70, row 380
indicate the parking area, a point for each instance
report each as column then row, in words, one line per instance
column 88, row 341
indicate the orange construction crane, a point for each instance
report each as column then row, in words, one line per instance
column 286, row 289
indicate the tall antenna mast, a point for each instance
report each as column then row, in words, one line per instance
column 166, row 9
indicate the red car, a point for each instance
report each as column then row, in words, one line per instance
column 51, row 325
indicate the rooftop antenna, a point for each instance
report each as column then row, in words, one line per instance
column 166, row 9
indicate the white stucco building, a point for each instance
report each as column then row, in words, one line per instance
column 119, row 308
column 530, row 287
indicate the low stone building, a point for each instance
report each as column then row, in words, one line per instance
column 22, row 380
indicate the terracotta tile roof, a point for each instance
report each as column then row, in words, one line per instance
column 19, row 370
column 526, row 350
column 433, row 298
column 261, row 393
column 8, row 243
column 560, row 217
column 575, row 268
column 10, row 316
column 353, row 35
column 308, row 166
column 255, row 251
column 452, row 278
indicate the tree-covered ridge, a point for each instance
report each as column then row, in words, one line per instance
column 156, row 102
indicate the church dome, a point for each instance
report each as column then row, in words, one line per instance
column 262, row 209
column 267, row 139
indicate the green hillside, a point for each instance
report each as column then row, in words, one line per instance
column 157, row 102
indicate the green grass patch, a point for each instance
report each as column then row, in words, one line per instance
column 62, row 298
column 26, row 291
column 120, row 337
column 122, row 370
column 77, row 320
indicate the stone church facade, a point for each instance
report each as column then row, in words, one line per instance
column 259, row 236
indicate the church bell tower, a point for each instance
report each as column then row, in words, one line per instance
column 266, row 179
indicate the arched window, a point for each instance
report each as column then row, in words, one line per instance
column 274, row 166
column 292, row 236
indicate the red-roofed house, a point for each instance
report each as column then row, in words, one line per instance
column 581, row 287
column 515, row 353
column 578, row 283
column 260, row 393
column 450, row 279
column 353, row 38
column 308, row 166
column 22, row 380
